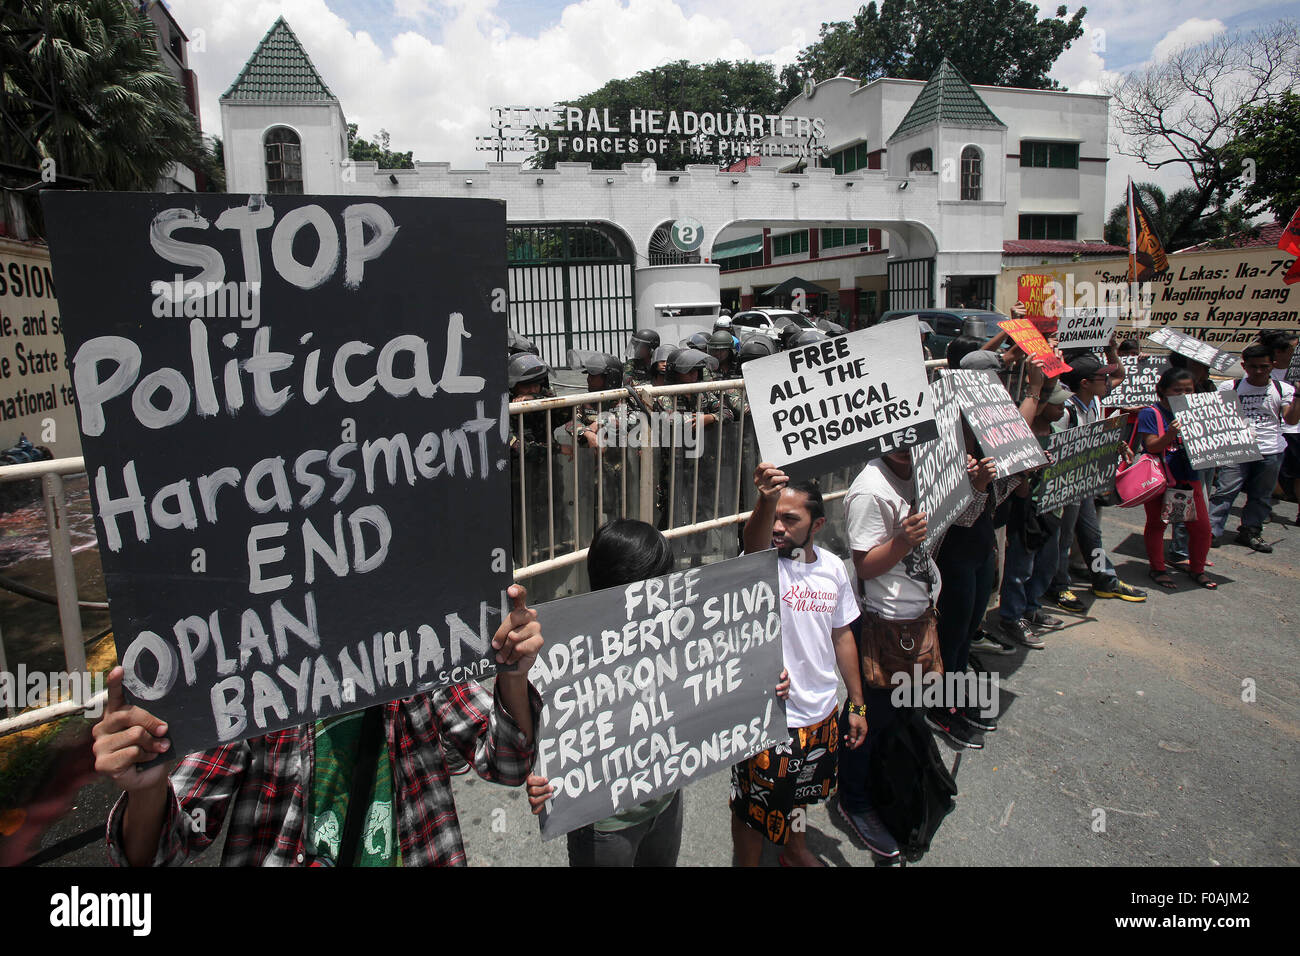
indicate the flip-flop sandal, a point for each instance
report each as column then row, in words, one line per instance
column 1162, row 578
column 1204, row 581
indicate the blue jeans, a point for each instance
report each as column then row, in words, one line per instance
column 967, row 583
column 1081, row 518
column 1025, row 575
column 1257, row 478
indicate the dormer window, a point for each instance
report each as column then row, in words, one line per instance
column 922, row 161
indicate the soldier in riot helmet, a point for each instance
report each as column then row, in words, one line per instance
column 754, row 346
column 639, row 368
column 721, row 348
column 529, row 378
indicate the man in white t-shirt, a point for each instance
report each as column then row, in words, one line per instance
column 1268, row 404
column 770, row 790
column 1282, row 346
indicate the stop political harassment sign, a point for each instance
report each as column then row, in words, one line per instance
column 290, row 407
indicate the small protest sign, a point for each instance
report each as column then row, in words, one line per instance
column 1031, row 342
column 1032, row 293
column 649, row 687
column 1082, row 463
column 1141, row 375
column 841, row 402
column 943, row 488
column 1293, row 370
column 289, row 405
column 1191, row 348
column 1002, row 432
column 1214, row 429
column 1087, row 328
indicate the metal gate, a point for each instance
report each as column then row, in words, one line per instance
column 911, row 283
column 571, row 287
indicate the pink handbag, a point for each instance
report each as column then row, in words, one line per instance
column 1145, row 478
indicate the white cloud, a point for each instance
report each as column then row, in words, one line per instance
column 1188, row 33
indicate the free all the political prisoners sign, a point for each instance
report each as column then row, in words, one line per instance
column 841, row 402
column 1083, row 463
column 943, row 488
column 1002, row 432
column 1215, row 432
column 291, row 407
column 1086, row 328
column 651, row 686
column 1141, row 375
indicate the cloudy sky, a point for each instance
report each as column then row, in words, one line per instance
column 427, row 70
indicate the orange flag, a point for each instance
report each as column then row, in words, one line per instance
column 1146, row 254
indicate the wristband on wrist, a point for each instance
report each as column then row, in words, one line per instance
column 859, row 709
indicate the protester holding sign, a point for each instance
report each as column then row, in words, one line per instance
column 1159, row 433
column 288, row 794
column 1032, row 540
column 770, row 790
column 899, row 584
column 1282, row 347
column 1090, row 381
column 1268, row 404
column 1201, row 383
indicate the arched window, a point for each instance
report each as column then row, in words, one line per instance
column 972, row 164
column 922, row 161
column 283, row 161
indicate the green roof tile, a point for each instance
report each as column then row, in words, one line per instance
column 947, row 100
column 279, row 71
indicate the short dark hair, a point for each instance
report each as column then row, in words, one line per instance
column 1129, row 347
column 624, row 551
column 1256, row 351
column 1171, row 377
column 960, row 347
column 813, row 489
column 1277, row 341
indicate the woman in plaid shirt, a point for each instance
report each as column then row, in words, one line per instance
column 266, row 783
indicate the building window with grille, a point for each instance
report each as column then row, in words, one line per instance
column 283, row 162
column 972, row 163
column 1048, row 227
column 922, row 161
column 1049, row 155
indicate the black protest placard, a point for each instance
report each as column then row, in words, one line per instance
column 291, row 409
column 943, row 488
column 654, row 685
column 859, row 396
column 1138, row 389
column 1002, row 432
column 1214, row 429
column 1191, row 348
column 1086, row 328
column 1293, row 370
column 1083, row 463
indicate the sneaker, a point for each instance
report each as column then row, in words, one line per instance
column 976, row 719
column 1251, row 538
column 1217, row 540
column 1118, row 589
column 456, row 764
column 1040, row 620
column 872, row 831
column 1020, row 632
column 957, row 732
column 990, row 643
column 1066, row 600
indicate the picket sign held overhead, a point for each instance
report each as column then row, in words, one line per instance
column 1002, row 432
column 656, row 684
column 943, row 488
column 1026, row 335
column 841, row 402
column 1138, row 389
column 1214, row 429
column 1083, row 462
column 1087, row 328
column 1191, row 348
column 1032, row 293
column 287, row 405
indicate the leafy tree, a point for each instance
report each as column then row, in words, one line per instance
column 364, row 151
column 1186, row 110
column 1264, row 157
column 121, row 119
column 721, row 86
column 995, row 42
column 1177, row 219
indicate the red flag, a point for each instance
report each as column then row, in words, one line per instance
column 1290, row 242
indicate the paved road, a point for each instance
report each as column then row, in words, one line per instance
column 1133, row 709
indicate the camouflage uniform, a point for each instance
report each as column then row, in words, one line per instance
column 638, row 372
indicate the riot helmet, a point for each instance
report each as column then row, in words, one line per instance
column 526, row 367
